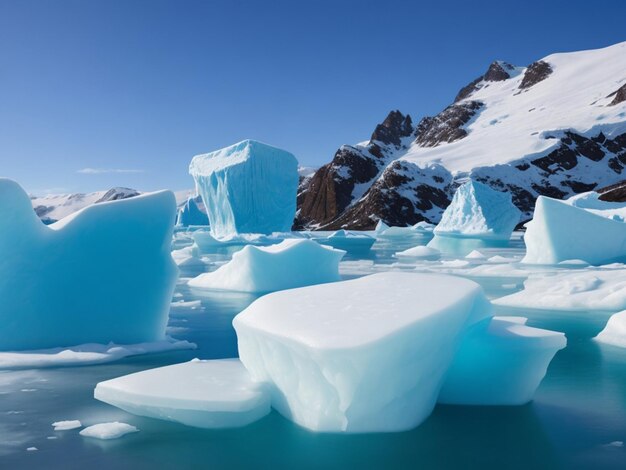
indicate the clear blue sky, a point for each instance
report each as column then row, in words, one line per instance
column 140, row 86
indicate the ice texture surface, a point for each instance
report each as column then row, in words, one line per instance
column 582, row 228
column 106, row 431
column 103, row 274
column 501, row 362
column 291, row 263
column 190, row 214
column 205, row 394
column 337, row 355
column 479, row 211
column 249, row 187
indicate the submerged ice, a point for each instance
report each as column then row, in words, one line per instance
column 249, row 187
column 103, row 274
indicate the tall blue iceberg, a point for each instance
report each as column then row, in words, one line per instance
column 190, row 214
column 249, row 187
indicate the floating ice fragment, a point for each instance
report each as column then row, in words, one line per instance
column 66, row 425
column 108, row 431
column 420, row 251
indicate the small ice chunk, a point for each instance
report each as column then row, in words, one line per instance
column 107, row 431
column 614, row 333
column 205, row 394
column 66, row 425
column 31, row 449
column 289, row 264
column 420, row 251
column 475, row 255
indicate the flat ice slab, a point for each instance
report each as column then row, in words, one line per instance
column 501, row 362
column 614, row 333
column 350, row 242
column 291, row 263
column 479, row 211
column 575, row 229
column 249, row 187
column 595, row 289
column 204, row 394
column 106, row 431
column 103, row 274
column 337, row 355
column 420, row 252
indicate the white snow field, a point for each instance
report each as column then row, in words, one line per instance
column 103, row 274
column 588, row 289
column 205, row 394
column 583, row 228
column 106, row 431
column 501, row 362
column 366, row 355
column 478, row 211
column 614, row 333
column 258, row 269
column 249, row 187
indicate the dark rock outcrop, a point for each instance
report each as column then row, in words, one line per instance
column 535, row 73
column 614, row 193
column 395, row 126
column 619, row 95
column 116, row 194
column 496, row 72
column 447, row 126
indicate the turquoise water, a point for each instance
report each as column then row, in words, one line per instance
column 577, row 419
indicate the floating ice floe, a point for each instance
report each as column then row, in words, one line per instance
column 249, row 187
column 383, row 230
column 478, row 211
column 103, row 274
column 597, row 289
column 475, row 255
column 614, row 333
column 501, row 362
column 336, row 356
column 582, row 228
column 190, row 215
column 106, row 431
column 289, row 264
column 85, row 354
column 419, row 252
column 205, row 394
column 67, row 425
column 350, row 242
column 188, row 257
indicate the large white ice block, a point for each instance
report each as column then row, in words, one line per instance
column 249, row 187
column 103, row 274
column 365, row 355
column 204, row 394
column 565, row 230
column 479, row 211
column 501, row 362
column 291, row 263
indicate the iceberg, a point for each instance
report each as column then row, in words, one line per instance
column 191, row 215
column 614, row 333
column 249, row 187
column 103, row 274
column 106, row 431
column 350, row 242
column 259, row 269
column 582, row 228
column 365, row 355
column 205, row 394
column 501, row 362
column 597, row 289
column 478, row 211
column 420, row 252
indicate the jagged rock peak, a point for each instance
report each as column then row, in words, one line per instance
column 498, row 71
column 447, row 126
column 619, row 95
column 395, row 126
column 116, row 194
column 536, row 72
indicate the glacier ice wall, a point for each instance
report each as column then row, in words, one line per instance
column 103, row 274
column 249, row 187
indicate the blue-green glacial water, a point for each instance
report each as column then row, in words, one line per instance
column 577, row 420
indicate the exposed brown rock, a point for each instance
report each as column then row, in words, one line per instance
column 536, row 72
column 447, row 126
column 619, row 95
column 613, row 193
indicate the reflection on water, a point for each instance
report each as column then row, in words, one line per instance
column 577, row 420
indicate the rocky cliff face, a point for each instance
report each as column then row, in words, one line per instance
column 554, row 128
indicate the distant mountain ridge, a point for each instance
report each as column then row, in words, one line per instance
column 555, row 128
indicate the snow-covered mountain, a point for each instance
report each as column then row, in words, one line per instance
column 555, row 128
